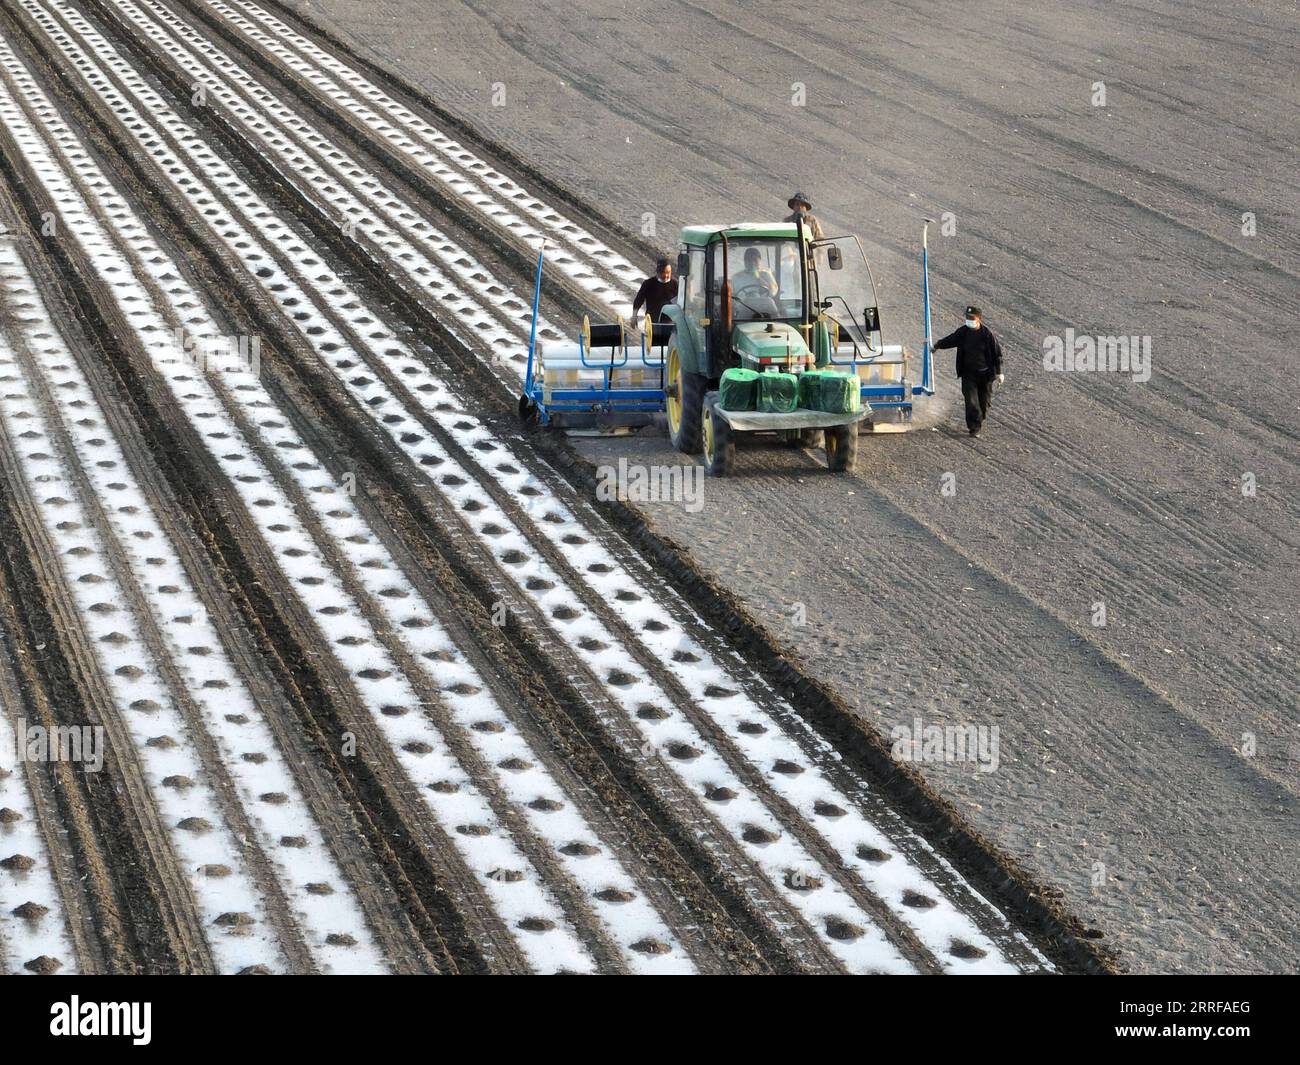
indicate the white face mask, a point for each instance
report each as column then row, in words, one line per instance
column 971, row 323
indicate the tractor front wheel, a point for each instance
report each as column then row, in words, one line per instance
column 842, row 448
column 684, row 394
column 719, row 441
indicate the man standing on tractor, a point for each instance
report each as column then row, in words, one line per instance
column 656, row 292
column 801, row 207
column 979, row 364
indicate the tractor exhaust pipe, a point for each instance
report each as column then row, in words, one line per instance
column 724, row 294
column 805, row 325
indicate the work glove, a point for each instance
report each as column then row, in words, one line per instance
column 1001, row 378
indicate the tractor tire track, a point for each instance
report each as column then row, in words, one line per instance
column 42, row 914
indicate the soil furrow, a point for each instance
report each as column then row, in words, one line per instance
column 152, row 921
column 201, row 487
column 431, row 699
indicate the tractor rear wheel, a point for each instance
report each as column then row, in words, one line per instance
column 842, row 448
column 719, row 441
column 685, row 405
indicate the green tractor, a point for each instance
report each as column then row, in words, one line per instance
column 755, row 331
column 772, row 332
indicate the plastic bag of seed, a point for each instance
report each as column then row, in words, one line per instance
column 778, row 393
column 738, row 389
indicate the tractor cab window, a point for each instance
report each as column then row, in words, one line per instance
column 765, row 281
column 691, row 290
column 844, row 291
column 791, row 293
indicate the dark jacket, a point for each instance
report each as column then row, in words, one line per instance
column 979, row 355
column 656, row 295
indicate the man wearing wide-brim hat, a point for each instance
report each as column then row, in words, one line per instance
column 801, row 207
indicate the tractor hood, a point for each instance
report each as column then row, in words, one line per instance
column 764, row 341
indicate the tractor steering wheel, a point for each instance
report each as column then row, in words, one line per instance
column 760, row 293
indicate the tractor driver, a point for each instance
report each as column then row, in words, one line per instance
column 754, row 287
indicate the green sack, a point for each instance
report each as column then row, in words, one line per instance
column 830, row 392
column 809, row 396
column 778, row 393
column 738, row 390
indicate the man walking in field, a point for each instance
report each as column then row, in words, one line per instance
column 979, row 364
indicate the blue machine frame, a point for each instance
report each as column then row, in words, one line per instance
column 592, row 399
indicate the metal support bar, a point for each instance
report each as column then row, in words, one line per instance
column 532, row 337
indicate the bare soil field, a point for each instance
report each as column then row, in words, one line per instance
column 313, row 659
column 1148, row 767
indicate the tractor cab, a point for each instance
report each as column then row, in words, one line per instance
column 760, row 295
column 744, row 297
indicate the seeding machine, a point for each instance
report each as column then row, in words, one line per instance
column 772, row 331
